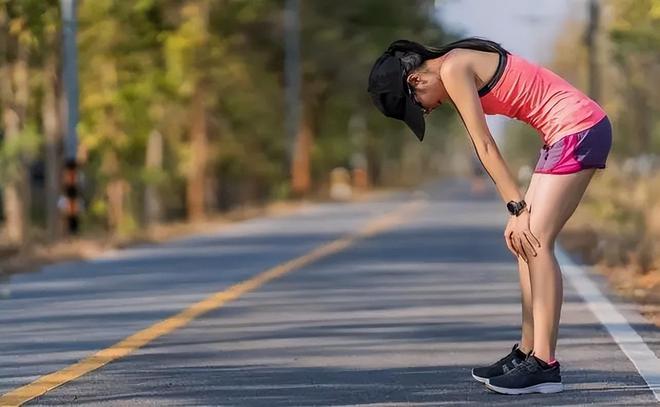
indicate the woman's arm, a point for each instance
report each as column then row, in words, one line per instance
column 458, row 78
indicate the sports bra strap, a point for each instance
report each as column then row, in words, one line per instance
column 501, row 64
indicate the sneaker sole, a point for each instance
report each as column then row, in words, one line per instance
column 480, row 379
column 537, row 388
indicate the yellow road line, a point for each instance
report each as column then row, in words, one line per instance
column 122, row 348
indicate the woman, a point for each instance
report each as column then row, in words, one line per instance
column 480, row 77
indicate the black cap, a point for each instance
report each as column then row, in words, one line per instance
column 389, row 91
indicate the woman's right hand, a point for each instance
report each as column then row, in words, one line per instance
column 519, row 239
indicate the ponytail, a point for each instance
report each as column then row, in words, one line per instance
column 412, row 54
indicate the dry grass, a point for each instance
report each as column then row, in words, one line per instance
column 617, row 229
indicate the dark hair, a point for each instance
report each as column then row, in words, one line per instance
column 413, row 54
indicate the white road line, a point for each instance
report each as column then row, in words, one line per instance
column 632, row 345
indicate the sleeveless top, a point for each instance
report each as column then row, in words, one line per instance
column 539, row 97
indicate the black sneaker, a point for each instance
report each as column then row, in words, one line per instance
column 506, row 364
column 531, row 376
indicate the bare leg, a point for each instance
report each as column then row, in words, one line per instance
column 527, row 335
column 527, row 338
column 554, row 201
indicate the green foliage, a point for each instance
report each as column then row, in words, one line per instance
column 14, row 153
column 140, row 61
column 636, row 26
column 634, row 34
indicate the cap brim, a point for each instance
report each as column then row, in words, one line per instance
column 414, row 118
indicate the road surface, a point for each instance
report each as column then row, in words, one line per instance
column 388, row 302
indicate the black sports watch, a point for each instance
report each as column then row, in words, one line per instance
column 516, row 208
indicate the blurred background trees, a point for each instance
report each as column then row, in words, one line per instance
column 182, row 110
column 183, row 114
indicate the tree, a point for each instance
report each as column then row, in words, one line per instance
column 634, row 33
column 20, row 22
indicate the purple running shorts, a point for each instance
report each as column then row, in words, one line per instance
column 586, row 149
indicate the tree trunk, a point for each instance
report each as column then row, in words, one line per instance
column 591, row 40
column 15, row 91
column 154, row 162
column 14, row 189
column 115, row 191
column 195, row 197
column 301, row 180
column 52, row 132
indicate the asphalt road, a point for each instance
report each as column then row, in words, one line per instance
column 397, row 317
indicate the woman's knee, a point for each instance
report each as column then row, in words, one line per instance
column 545, row 237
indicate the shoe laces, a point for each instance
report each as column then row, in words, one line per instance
column 525, row 367
column 507, row 357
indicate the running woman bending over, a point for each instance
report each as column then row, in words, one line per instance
column 480, row 77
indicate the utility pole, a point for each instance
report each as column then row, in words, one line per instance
column 292, row 76
column 591, row 41
column 71, row 200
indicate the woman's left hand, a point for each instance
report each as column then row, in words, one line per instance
column 519, row 239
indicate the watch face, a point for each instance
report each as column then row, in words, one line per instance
column 515, row 207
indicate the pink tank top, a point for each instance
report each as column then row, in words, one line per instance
column 541, row 98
